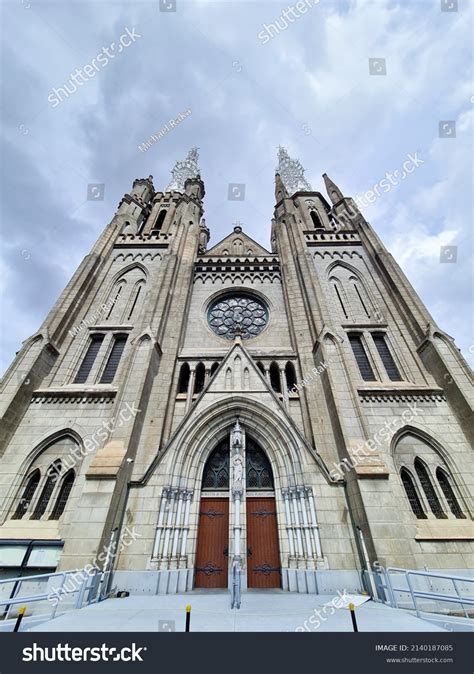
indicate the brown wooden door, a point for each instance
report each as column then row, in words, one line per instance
column 213, row 541
column 263, row 556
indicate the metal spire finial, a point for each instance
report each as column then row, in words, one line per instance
column 184, row 169
column 291, row 173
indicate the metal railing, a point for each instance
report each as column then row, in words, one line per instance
column 44, row 594
column 236, row 584
column 429, row 594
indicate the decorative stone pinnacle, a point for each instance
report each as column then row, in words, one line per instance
column 185, row 169
column 291, row 173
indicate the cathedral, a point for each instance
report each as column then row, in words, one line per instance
column 292, row 411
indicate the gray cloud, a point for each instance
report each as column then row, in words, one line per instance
column 308, row 88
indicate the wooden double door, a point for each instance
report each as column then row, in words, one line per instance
column 263, row 556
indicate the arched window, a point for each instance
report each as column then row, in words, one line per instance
column 89, row 359
column 316, row 220
column 63, row 495
column 338, row 294
column 160, row 220
column 214, row 368
column 385, row 356
column 449, row 495
column 53, row 472
column 135, row 297
column 275, row 378
column 360, row 354
column 200, row 377
column 261, row 368
column 114, row 359
column 356, row 288
column 27, row 496
column 290, row 375
column 258, row 470
column 216, row 470
column 115, row 298
column 412, row 495
column 183, row 381
column 428, row 489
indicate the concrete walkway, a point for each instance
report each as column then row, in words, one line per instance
column 267, row 611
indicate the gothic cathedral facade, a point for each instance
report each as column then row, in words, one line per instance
column 294, row 410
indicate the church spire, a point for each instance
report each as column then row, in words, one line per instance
column 280, row 189
column 333, row 191
column 183, row 170
column 291, row 173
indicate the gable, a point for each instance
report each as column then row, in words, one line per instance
column 238, row 244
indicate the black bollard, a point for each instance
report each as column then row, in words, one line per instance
column 188, row 617
column 353, row 616
column 21, row 613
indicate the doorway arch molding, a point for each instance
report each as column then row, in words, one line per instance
column 200, row 436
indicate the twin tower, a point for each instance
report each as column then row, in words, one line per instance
column 183, row 407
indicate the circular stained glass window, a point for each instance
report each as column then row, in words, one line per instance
column 229, row 314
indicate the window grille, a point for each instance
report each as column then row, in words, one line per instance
column 412, row 496
column 449, row 495
column 114, row 359
column 27, row 495
column 65, row 490
column 360, row 355
column 89, row 359
column 386, row 356
column 429, row 490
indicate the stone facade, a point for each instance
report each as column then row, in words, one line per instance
column 361, row 404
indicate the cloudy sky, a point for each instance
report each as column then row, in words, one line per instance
column 308, row 88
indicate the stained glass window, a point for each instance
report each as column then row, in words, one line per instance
column 228, row 314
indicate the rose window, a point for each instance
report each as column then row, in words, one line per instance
column 238, row 313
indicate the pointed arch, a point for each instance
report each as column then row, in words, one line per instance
column 316, row 219
column 427, row 486
column 64, row 492
column 258, row 470
column 216, row 473
column 183, row 381
column 412, row 494
column 290, row 375
column 160, row 220
column 448, row 491
column 52, row 476
column 199, row 378
column 351, row 291
column 275, row 377
column 28, row 493
column 413, row 442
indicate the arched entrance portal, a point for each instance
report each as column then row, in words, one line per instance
column 221, row 534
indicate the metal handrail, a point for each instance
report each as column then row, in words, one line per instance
column 415, row 594
column 54, row 595
column 236, row 584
